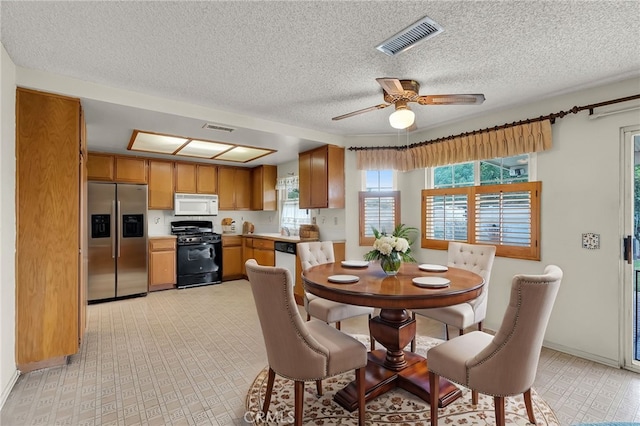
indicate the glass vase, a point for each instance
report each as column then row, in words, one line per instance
column 391, row 263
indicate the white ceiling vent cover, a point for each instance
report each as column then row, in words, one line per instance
column 419, row 31
column 212, row 126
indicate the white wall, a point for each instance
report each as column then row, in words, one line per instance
column 580, row 193
column 8, row 371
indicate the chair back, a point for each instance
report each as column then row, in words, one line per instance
column 315, row 253
column 508, row 365
column 291, row 350
column 477, row 259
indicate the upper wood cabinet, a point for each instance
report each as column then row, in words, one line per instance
column 49, row 242
column 131, row 170
column 101, row 167
column 263, row 188
column 194, row 178
column 321, row 173
column 113, row 168
column 234, row 188
column 160, row 185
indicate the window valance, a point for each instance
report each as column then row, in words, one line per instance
column 481, row 145
column 287, row 183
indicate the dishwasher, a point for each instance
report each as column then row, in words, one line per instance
column 286, row 256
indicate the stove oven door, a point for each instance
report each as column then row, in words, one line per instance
column 199, row 258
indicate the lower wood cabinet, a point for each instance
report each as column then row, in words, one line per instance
column 162, row 263
column 264, row 252
column 231, row 257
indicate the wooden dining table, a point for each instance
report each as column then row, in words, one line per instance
column 393, row 328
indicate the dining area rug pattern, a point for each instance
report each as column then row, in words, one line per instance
column 395, row 407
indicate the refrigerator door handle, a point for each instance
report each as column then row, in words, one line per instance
column 119, row 227
column 113, row 233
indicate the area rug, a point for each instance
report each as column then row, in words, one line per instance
column 395, row 407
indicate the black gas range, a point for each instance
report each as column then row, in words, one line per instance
column 199, row 253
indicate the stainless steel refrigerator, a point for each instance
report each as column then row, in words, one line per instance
column 117, row 240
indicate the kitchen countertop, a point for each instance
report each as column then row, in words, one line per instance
column 274, row 236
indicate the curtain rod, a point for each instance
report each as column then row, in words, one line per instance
column 551, row 117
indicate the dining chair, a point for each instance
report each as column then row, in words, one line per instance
column 298, row 350
column 316, row 253
column 475, row 258
column 504, row 364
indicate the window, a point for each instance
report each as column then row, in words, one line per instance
column 379, row 204
column 486, row 172
column 291, row 216
column 505, row 215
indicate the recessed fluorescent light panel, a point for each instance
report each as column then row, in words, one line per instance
column 182, row 146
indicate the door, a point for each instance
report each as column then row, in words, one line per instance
column 131, row 247
column 101, row 207
column 631, row 287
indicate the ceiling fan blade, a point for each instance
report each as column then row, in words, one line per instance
column 360, row 111
column 470, row 99
column 391, row 85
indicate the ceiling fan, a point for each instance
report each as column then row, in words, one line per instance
column 401, row 92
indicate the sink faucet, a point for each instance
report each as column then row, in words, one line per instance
column 286, row 231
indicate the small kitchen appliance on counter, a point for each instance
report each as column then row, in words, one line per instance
column 199, row 254
column 248, row 228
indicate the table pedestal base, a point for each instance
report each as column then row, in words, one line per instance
column 413, row 378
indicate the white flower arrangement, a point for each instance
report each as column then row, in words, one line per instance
column 399, row 242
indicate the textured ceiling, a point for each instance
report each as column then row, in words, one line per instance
column 301, row 63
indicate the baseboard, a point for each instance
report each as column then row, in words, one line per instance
column 7, row 390
column 586, row 355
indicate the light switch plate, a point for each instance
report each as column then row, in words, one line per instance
column 591, row 241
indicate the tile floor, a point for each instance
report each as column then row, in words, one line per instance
column 187, row 357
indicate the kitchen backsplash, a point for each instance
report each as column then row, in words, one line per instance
column 329, row 221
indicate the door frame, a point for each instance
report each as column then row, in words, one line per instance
column 626, row 339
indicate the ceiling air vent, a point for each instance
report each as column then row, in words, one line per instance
column 212, row 126
column 421, row 30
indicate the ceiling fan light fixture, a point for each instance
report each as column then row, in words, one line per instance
column 402, row 117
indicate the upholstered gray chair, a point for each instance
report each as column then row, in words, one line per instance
column 316, row 253
column 298, row 350
column 504, row 364
column 475, row 258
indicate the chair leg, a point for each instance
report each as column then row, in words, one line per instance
column 338, row 325
column 474, row 397
column 360, row 389
column 461, row 332
column 434, row 386
column 298, row 398
column 480, row 326
column 498, row 403
column 413, row 342
column 308, row 317
column 267, row 396
column 446, row 332
column 527, row 403
column 319, row 387
column 371, row 339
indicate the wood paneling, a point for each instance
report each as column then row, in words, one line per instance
column 48, row 233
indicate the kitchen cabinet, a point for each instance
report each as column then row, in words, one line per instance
column 321, row 178
column 247, row 252
column 162, row 263
column 131, row 170
column 101, row 167
column 160, row 185
column 234, row 188
column 50, row 247
column 231, row 257
column 263, row 188
column 194, row 178
column 264, row 252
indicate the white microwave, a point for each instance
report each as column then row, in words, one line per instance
column 195, row 205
